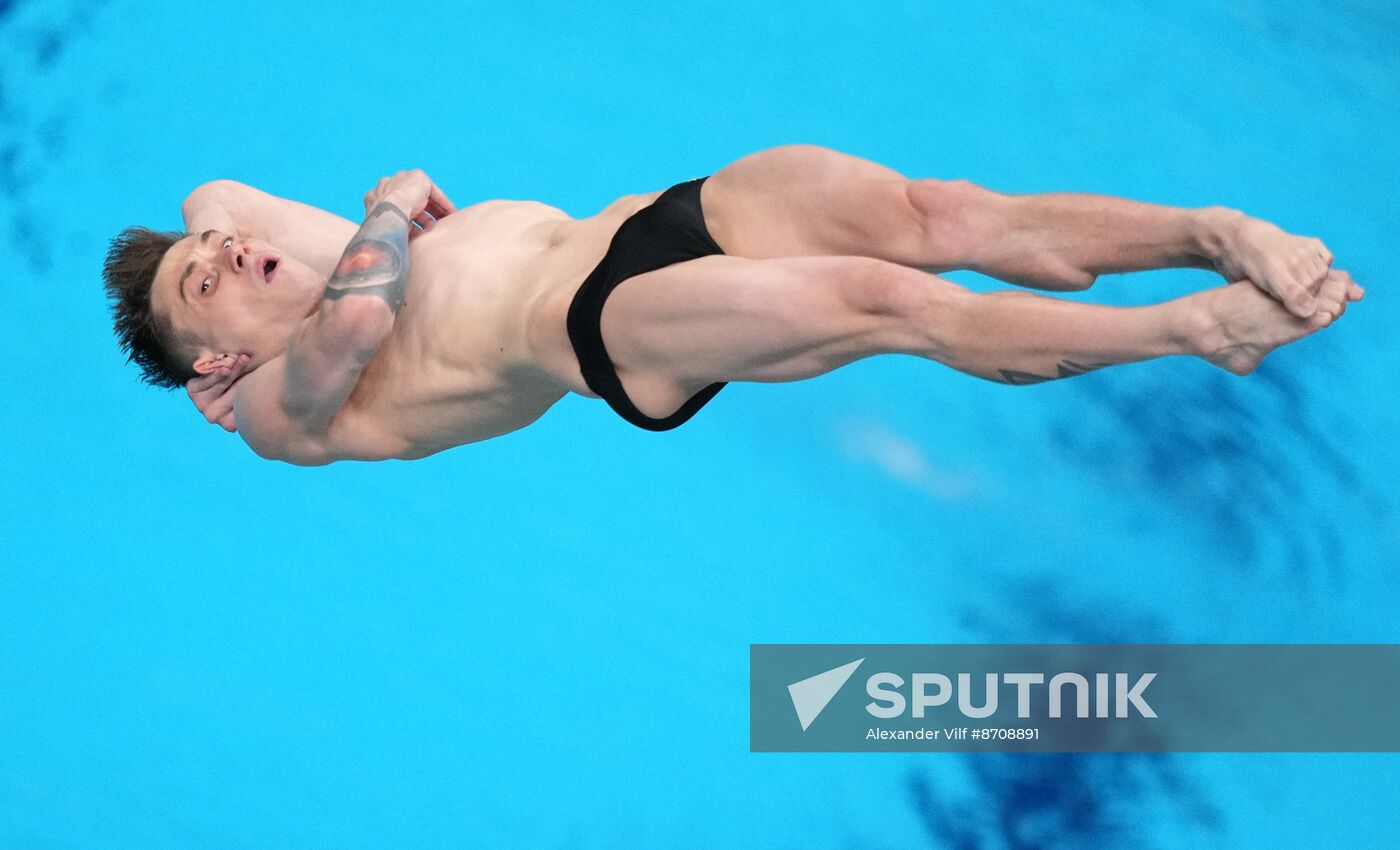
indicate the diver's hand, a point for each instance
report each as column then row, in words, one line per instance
column 211, row 392
column 422, row 202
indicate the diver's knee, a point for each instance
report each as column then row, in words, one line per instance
column 873, row 287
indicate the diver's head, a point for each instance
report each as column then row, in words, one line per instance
column 183, row 302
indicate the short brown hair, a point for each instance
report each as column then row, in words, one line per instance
column 145, row 337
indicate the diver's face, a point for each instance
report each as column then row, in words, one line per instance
column 235, row 295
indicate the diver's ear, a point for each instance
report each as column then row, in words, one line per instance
column 209, row 361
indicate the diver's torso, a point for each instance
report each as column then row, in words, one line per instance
column 479, row 347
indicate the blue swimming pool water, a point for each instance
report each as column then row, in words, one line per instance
column 542, row 640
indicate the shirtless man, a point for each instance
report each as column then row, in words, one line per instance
column 437, row 327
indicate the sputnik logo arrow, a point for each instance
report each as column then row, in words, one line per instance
column 811, row 695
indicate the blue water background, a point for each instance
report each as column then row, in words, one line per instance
column 543, row 640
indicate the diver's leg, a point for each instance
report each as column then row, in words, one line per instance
column 805, row 199
column 673, row 331
column 1065, row 240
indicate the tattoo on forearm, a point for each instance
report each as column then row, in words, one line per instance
column 1066, row 369
column 376, row 260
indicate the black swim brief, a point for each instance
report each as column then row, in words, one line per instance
column 670, row 230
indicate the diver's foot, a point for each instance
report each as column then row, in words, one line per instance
column 1288, row 267
column 1237, row 325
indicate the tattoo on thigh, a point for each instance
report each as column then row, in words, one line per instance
column 376, row 260
column 1065, row 368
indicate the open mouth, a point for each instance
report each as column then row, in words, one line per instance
column 269, row 268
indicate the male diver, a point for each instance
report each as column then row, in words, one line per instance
column 426, row 327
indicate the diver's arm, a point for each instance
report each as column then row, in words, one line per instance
column 284, row 408
column 309, row 234
column 357, row 311
column 323, row 360
column 214, row 394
